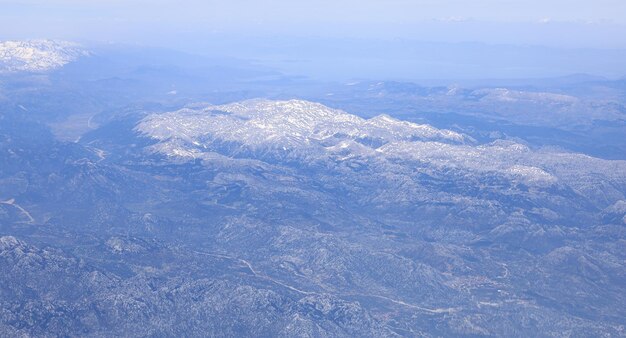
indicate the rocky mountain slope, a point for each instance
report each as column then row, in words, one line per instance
column 288, row 218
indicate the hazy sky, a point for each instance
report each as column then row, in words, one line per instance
column 572, row 23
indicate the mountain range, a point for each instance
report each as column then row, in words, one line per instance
column 164, row 215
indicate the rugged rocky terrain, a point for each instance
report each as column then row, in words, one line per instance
column 289, row 218
column 392, row 209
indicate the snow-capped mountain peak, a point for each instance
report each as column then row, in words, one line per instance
column 294, row 126
column 310, row 132
column 38, row 55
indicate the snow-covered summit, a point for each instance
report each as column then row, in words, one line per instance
column 311, row 132
column 37, row 55
column 289, row 125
